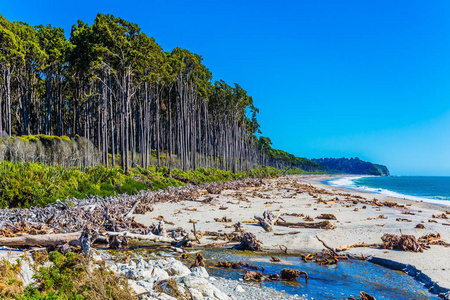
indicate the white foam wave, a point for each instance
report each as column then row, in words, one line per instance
column 349, row 183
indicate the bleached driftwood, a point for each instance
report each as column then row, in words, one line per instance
column 141, row 237
column 267, row 220
column 41, row 240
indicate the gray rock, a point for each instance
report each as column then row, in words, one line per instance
column 172, row 266
column 154, row 274
column 141, row 264
column 204, row 287
column 199, row 272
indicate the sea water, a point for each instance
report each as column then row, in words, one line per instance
column 434, row 189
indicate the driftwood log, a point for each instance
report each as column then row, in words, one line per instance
column 141, row 237
column 44, row 240
column 319, row 225
column 267, row 220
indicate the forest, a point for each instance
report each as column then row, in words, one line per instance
column 352, row 166
column 111, row 84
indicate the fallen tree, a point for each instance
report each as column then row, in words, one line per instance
column 44, row 240
column 319, row 225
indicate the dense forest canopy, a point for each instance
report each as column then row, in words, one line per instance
column 352, row 166
column 115, row 86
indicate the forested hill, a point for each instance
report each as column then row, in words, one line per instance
column 352, row 166
column 112, row 84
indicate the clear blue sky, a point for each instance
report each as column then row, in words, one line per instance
column 331, row 78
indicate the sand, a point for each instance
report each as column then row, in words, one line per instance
column 354, row 223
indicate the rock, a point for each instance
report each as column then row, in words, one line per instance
column 205, row 288
column 132, row 265
column 148, row 286
column 164, row 296
column 155, row 274
column 131, row 274
column 199, row 272
column 239, row 289
column 136, row 290
column 195, row 294
column 172, row 266
column 172, row 287
column 141, row 264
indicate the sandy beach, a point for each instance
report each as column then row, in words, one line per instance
column 357, row 221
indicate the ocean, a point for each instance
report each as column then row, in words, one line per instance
column 434, row 189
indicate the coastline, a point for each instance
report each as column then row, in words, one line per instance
column 352, row 226
column 375, row 191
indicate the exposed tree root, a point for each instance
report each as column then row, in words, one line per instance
column 249, row 242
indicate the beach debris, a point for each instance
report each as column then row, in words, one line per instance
column 292, row 275
column 275, row 259
column 43, row 240
column 249, row 242
column 229, row 264
column 402, row 242
column 160, row 229
column 308, row 219
column 380, row 217
column 234, row 265
column 254, row 276
column 199, row 261
column 232, row 236
column 327, row 257
column 432, row 221
column 432, row 239
column 293, row 214
column 326, row 217
column 441, row 216
column 319, row 225
column 196, row 235
column 364, row 296
column 224, row 219
column 420, row 226
column 105, row 214
column 333, row 252
column 283, row 248
column 403, row 220
column 284, row 233
column 267, row 220
column 356, row 245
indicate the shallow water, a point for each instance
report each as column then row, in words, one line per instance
column 346, row 279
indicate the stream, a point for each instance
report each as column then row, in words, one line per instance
column 340, row 281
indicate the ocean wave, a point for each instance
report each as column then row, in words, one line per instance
column 349, row 183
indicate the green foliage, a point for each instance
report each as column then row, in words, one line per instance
column 282, row 159
column 36, row 184
column 68, row 277
column 352, row 166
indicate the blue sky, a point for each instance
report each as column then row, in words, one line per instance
column 331, row 78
